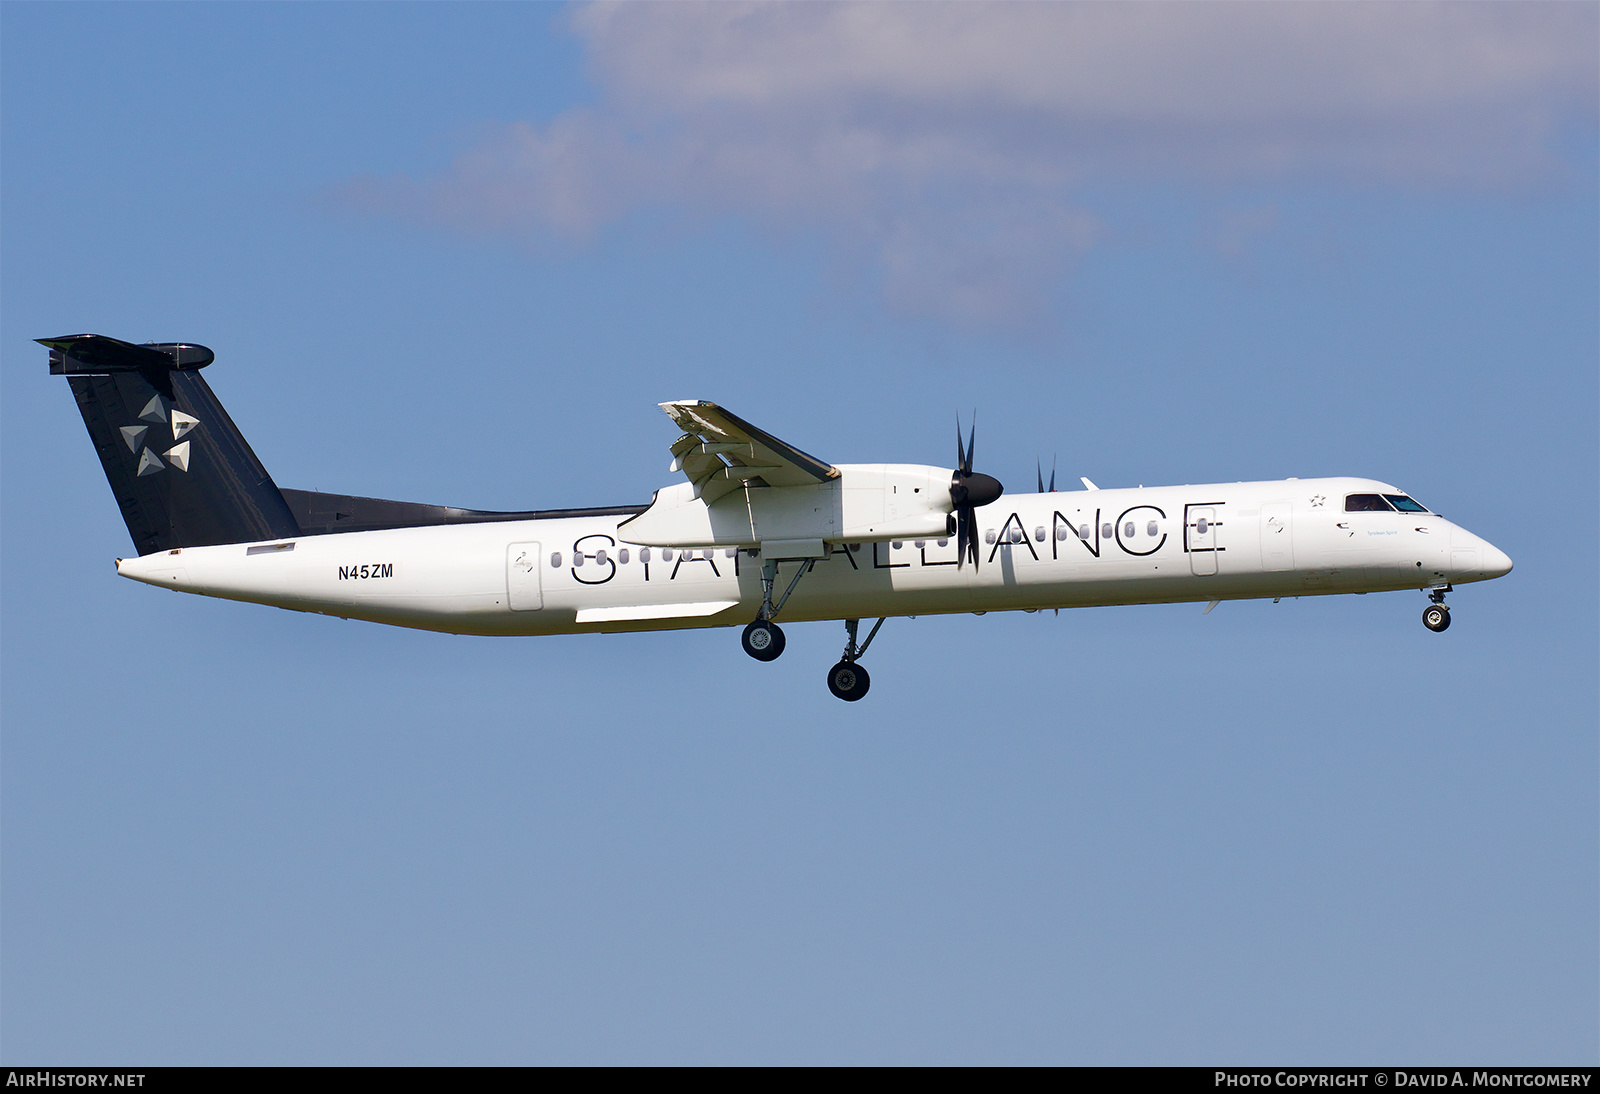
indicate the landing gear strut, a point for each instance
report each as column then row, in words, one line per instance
column 848, row 680
column 1436, row 616
column 763, row 639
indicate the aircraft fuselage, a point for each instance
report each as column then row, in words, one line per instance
column 1070, row 549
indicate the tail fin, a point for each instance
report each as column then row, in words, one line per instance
column 178, row 466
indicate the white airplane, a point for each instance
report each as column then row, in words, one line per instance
column 757, row 530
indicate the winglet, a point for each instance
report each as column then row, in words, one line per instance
column 1087, row 485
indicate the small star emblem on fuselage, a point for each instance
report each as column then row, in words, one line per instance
column 1317, row 500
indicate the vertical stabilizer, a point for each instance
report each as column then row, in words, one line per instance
column 181, row 472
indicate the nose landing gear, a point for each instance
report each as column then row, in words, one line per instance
column 1436, row 616
column 848, row 680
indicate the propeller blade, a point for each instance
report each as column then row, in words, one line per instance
column 969, row 490
column 1052, row 474
column 1039, row 467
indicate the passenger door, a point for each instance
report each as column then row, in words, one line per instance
column 522, row 577
column 1277, row 536
column 1200, row 539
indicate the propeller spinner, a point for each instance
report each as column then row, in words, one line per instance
column 968, row 490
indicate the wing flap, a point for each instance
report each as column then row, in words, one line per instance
column 719, row 451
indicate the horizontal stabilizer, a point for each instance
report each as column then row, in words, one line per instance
column 96, row 355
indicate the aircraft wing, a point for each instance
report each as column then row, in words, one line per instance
column 719, row 452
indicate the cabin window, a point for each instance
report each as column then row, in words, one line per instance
column 600, row 556
column 577, row 560
column 988, row 537
column 1083, row 533
column 1061, row 533
column 897, row 544
column 1366, row 503
column 1038, row 534
column 730, row 552
column 920, row 544
column 1127, row 530
column 1202, row 526
column 944, row 543
column 666, row 554
column 1107, row 531
column 644, row 554
column 1017, row 535
column 1405, row 504
column 622, row 556
column 1152, row 529
column 555, row 560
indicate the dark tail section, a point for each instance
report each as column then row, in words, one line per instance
column 180, row 470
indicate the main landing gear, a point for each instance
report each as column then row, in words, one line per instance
column 848, row 680
column 1436, row 616
column 763, row 639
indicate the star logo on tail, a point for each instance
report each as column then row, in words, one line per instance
column 159, row 412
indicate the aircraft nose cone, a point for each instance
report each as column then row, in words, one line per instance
column 1495, row 562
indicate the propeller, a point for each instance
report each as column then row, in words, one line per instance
column 968, row 490
column 1040, row 467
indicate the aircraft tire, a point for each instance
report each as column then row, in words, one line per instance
column 849, row 681
column 1436, row 617
column 763, row 640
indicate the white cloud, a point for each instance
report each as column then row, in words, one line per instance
column 937, row 146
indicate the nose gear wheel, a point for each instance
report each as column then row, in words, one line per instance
column 848, row 680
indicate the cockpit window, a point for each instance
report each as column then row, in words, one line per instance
column 1366, row 503
column 1405, row 504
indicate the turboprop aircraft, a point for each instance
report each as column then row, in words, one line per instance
column 756, row 530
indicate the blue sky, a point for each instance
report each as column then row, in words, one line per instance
column 457, row 253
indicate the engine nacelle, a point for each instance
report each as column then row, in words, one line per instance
column 867, row 502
